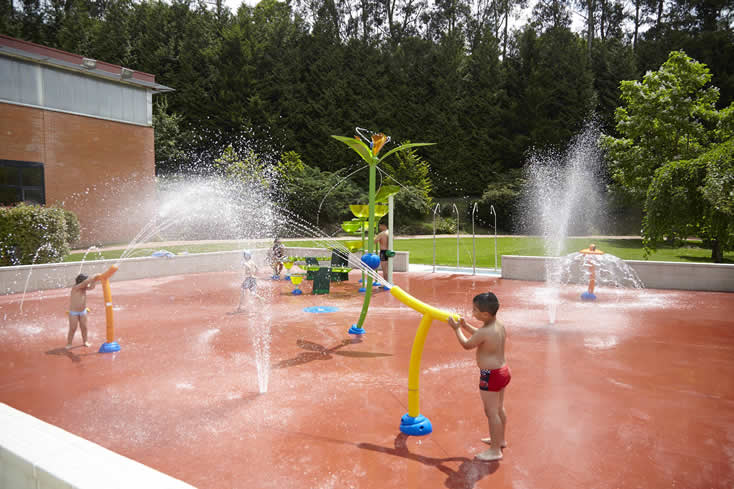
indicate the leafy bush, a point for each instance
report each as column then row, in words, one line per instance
column 73, row 229
column 35, row 234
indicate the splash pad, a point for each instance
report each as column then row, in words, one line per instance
column 608, row 382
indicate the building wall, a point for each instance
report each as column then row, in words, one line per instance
column 103, row 171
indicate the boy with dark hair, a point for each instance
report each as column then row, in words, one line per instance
column 494, row 375
column 78, row 308
column 382, row 243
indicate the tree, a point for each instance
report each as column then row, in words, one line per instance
column 668, row 116
column 412, row 172
column 693, row 198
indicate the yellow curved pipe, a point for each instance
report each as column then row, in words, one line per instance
column 109, row 316
column 107, row 274
column 421, row 307
column 416, row 352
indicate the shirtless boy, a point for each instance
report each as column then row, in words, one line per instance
column 489, row 340
column 78, row 308
column 382, row 242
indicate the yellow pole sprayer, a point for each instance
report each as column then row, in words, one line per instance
column 414, row 423
column 111, row 345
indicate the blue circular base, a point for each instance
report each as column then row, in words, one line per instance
column 356, row 330
column 275, row 277
column 297, row 292
column 320, row 309
column 362, row 289
column 418, row 426
column 376, row 284
column 386, row 287
column 588, row 296
column 109, row 347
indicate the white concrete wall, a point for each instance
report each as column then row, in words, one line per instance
column 38, row 455
column 13, row 280
column 654, row 274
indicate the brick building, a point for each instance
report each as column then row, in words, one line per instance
column 78, row 133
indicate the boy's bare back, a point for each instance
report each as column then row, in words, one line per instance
column 491, row 350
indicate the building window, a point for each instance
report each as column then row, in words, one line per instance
column 21, row 181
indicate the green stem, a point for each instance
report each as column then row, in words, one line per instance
column 370, row 240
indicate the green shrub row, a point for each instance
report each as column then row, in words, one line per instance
column 32, row 234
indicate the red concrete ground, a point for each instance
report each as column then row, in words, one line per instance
column 634, row 391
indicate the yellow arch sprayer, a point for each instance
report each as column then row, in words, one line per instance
column 110, row 345
column 414, row 423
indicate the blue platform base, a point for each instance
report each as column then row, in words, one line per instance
column 588, row 296
column 418, row 426
column 356, row 330
column 297, row 292
column 275, row 277
column 109, row 347
column 362, row 289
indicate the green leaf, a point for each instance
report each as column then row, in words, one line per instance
column 400, row 148
column 385, row 192
column 358, row 146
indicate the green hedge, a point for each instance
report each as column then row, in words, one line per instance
column 35, row 234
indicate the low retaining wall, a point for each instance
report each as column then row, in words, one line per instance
column 14, row 280
column 35, row 454
column 654, row 274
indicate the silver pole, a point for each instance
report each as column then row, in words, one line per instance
column 435, row 209
column 457, row 237
column 474, row 240
column 390, row 235
column 492, row 211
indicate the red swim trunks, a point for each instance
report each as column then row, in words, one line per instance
column 494, row 380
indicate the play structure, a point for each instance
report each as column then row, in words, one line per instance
column 589, row 254
column 110, row 345
column 412, row 423
column 322, row 276
column 368, row 149
column 296, row 280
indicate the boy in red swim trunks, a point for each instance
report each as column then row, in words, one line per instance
column 494, row 375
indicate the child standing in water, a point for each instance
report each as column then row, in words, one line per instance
column 494, row 375
column 78, row 308
column 276, row 255
column 381, row 240
column 250, row 282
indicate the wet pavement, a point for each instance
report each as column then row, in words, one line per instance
column 634, row 390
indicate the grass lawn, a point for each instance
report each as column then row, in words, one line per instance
column 421, row 250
